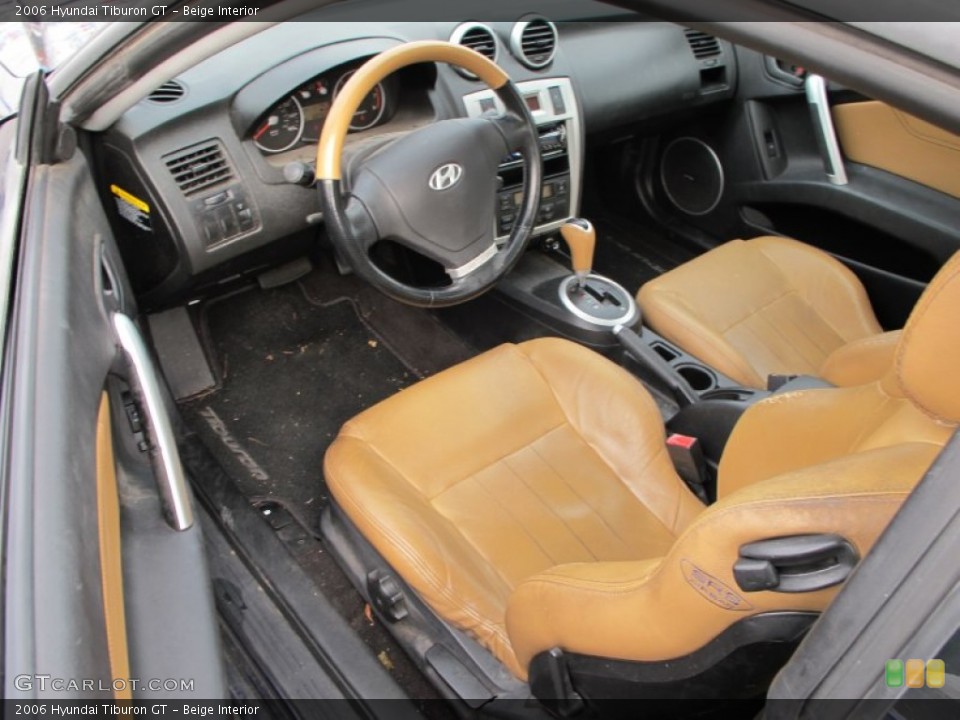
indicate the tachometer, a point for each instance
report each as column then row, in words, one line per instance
column 281, row 128
column 370, row 110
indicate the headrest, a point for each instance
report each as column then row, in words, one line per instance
column 928, row 356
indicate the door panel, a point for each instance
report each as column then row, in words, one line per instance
column 76, row 473
column 875, row 134
column 893, row 223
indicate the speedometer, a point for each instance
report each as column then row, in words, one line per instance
column 371, row 108
column 281, row 128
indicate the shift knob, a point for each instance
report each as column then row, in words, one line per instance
column 581, row 238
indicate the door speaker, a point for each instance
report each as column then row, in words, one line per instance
column 692, row 176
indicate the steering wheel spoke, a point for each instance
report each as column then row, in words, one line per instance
column 478, row 261
column 434, row 190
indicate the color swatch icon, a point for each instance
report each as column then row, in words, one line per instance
column 915, row 673
column 894, row 673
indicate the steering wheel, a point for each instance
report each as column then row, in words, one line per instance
column 433, row 190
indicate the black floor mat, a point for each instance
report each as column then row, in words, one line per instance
column 295, row 363
column 424, row 343
column 292, row 373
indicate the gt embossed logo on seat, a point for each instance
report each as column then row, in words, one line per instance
column 712, row 589
column 446, row 176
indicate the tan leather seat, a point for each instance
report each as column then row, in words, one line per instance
column 527, row 496
column 768, row 306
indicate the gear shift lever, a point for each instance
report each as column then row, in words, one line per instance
column 581, row 238
column 591, row 298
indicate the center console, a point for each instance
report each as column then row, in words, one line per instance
column 554, row 108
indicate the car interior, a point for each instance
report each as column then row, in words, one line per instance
column 565, row 358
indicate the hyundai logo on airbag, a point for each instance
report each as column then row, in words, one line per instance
column 446, row 176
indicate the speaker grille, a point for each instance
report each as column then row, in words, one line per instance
column 692, row 176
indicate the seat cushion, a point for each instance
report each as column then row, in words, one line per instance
column 523, row 458
column 764, row 306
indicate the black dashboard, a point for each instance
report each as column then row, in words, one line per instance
column 195, row 172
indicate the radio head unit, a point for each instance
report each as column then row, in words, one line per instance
column 555, row 110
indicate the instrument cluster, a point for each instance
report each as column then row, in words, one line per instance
column 298, row 118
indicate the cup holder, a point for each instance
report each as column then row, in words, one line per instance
column 736, row 394
column 699, row 378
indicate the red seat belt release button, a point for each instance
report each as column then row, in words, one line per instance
column 687, row 458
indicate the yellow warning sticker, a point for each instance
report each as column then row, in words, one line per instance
column 130, row 198
column 131, row 208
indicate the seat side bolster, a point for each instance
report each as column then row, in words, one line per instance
column 862, row 361
column 666, row 608
column 431, row 556
column 667, row 314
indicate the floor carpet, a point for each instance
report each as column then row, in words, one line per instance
column 295, row 363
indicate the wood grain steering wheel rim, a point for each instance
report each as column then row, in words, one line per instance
column 377, row 209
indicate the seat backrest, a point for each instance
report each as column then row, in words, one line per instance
column 927, row 368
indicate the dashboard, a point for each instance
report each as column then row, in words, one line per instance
column 195, row 172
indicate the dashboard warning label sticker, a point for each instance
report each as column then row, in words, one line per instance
column 131, row 208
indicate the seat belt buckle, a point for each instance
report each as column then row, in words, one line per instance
column 687, row 457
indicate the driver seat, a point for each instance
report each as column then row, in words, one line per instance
column 527, row 496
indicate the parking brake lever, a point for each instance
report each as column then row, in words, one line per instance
column 636, row 348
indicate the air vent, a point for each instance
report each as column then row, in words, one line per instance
column 703, row 45
column 534, row 42
column 167, row 93
column 479, row 37
column 198, row 167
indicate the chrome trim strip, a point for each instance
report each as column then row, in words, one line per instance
column 467, row 268
column 816, row 89
column 171, row 481
column 627, row 319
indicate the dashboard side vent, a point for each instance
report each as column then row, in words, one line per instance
column 198, row 166
column 169, row 92
column 702, row 44
column 479, row 37
column 534, row 42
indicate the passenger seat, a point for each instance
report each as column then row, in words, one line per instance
column 771, row 306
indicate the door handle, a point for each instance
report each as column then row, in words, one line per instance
column 795, row 564
column 171, row 481
column 826, row 135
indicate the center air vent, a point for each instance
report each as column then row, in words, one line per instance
column 703, row 45
column 167, row 93
column 198, row 166
column 534, row 42
column 479, row 37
